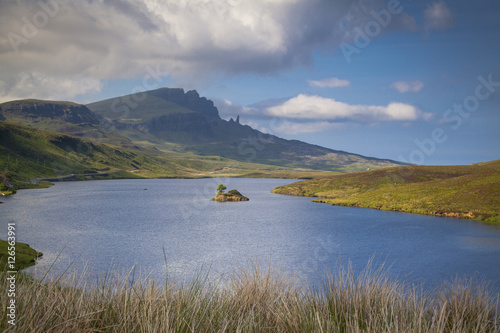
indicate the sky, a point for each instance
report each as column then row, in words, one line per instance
column 414, row 81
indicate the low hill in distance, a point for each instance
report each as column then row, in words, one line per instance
column 470, row 191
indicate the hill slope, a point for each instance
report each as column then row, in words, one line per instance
column 471, row 191
column 30, row 153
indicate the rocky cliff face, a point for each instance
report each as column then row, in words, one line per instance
column 170, row 114
column 32, row 109
column 195, row 124
column 190, row 100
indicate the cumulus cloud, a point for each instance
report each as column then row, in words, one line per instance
column 312, row 114
column 37, row 85
column 438, row 16
column 86, row 40
column 329, row 83
column 321, row 108
column 408, row 86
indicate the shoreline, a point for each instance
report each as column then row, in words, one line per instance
column 25, row 256
column 445, row 214
column 253, row 294
column 469, row 192
column 453, row 215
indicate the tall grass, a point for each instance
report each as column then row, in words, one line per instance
column 250, row 299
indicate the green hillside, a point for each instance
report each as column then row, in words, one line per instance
column 170, row 121
column 471, row 191
column 28, row 153
column 136, row 108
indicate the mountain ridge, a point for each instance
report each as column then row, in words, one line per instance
column 170, row 120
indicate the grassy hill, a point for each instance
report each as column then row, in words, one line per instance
column 470, row 191
column 137, row 108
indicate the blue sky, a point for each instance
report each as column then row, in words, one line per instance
column 406, row 80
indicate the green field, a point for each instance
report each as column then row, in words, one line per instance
column 470, row 191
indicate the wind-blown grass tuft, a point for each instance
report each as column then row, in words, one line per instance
column 251, row 299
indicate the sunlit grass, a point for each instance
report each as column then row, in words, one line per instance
column 470, row 191
column 255, row 298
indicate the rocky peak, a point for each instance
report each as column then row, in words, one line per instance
column 190, row 100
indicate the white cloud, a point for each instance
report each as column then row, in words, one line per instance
column 37, row 85
column 438, row 16
column 329, row 83
column 189, row 39
column 320, row 108
column 408, row 86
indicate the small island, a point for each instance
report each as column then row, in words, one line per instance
column 232, row 195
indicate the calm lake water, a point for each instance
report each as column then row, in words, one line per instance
column 126, row 222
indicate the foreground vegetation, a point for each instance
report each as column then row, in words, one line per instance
column 469, row 191
column 248, row 300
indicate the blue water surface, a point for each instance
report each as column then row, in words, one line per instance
column 110, row 223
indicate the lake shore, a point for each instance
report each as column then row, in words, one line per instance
column 466, row 192
column 24, row 257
